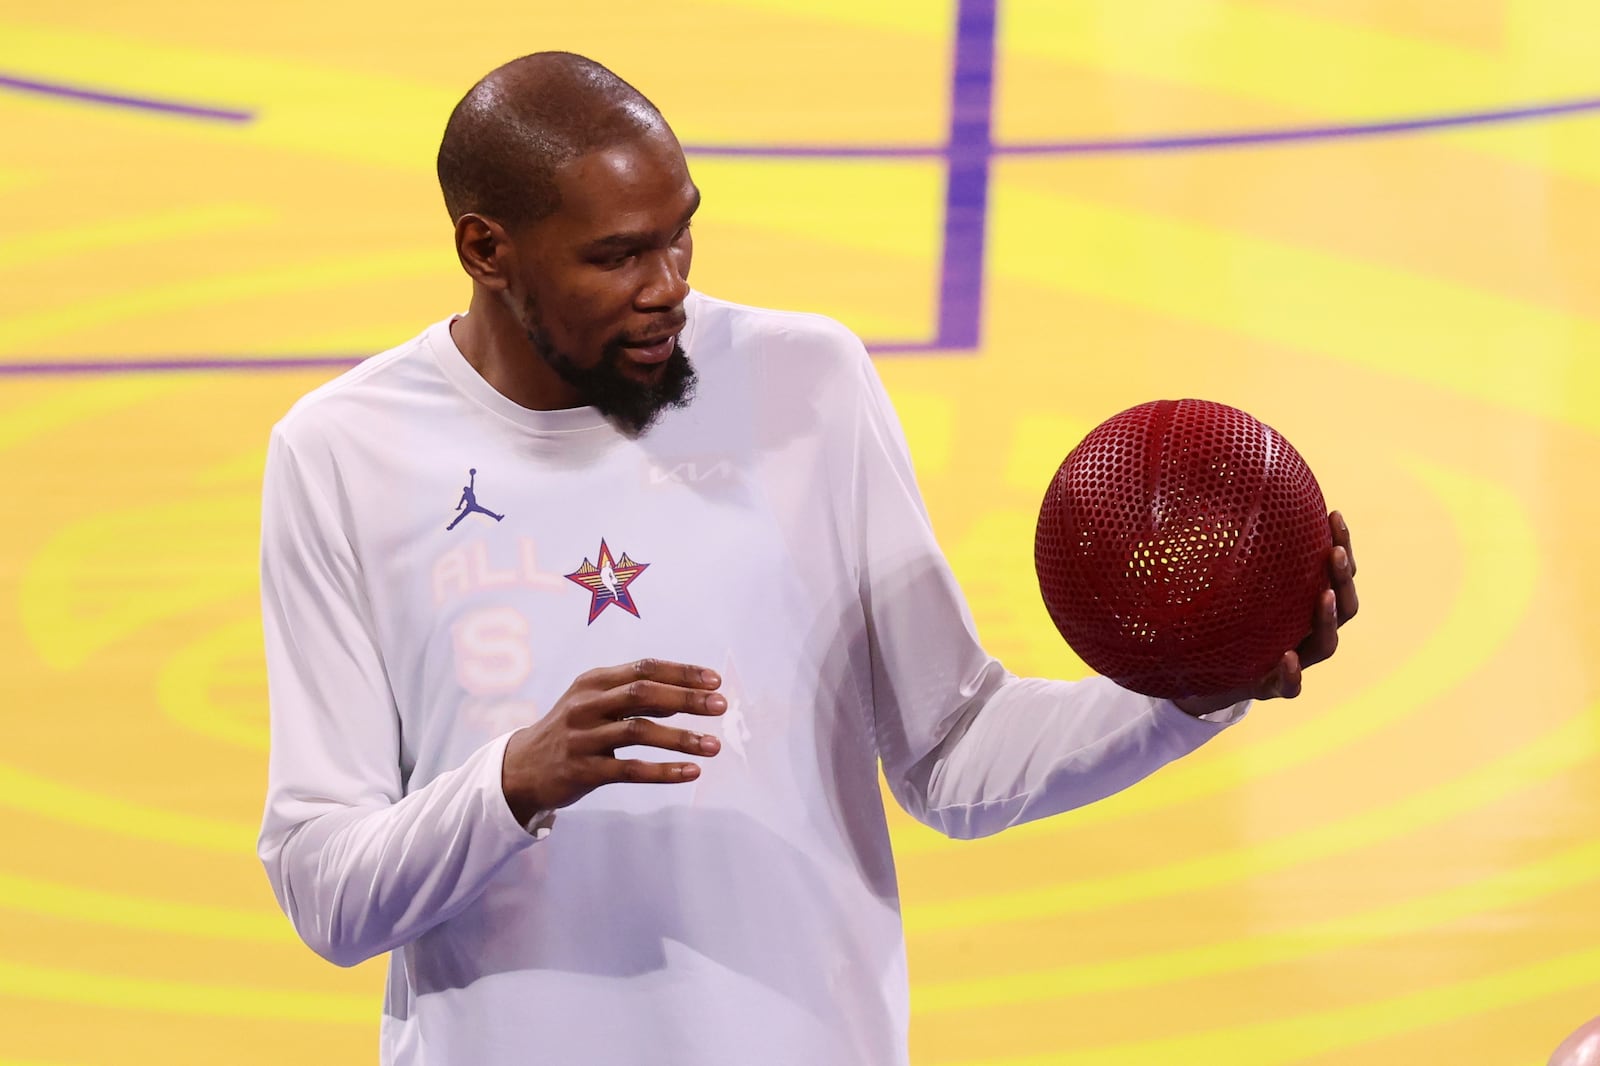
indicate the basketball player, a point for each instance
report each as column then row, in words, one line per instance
column 706, row 544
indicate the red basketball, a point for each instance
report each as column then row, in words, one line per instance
column 1182, row 548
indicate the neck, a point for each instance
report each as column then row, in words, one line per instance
column 498, row 348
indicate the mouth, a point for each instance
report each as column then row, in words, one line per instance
column 653, row 351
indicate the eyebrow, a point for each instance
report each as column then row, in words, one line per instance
column 629, row 240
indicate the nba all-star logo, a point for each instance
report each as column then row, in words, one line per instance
column 607, row 581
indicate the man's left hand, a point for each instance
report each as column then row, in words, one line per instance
column 1337, row 606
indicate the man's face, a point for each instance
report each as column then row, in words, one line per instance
column 601, row 291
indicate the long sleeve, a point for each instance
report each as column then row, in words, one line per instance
column 968, row 748
column 358, row 866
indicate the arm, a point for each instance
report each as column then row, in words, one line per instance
column 967, row 747
column 358, row 866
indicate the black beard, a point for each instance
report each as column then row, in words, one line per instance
column 632, row 405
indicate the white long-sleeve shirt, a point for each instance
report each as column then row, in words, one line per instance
column 433, row 579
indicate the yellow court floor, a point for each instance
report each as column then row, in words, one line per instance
column 1372, row 223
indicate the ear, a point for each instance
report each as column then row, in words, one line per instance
column 485, row 251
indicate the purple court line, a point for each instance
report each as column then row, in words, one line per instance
column 141, row 103
column 966, row 198
column 1180, row 142
column 820, row 151
column 1166, row 143
column 168, row 364
column 967, row 152
column 176, row 364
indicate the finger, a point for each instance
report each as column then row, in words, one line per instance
column 1342, row 569
column 639, row 772
column 1324, row 638
column 671, row 673
column 1291, row 676
column 634, row 732
column 1341, row 538
column 659, row 670
column 655, row 699
column 1284, row 681
column 1348, row 602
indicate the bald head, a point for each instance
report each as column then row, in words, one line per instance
column 514, row 129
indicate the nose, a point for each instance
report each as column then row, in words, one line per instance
column 667, row 284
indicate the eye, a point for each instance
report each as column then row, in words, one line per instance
column 684, row 232
column 614, row 260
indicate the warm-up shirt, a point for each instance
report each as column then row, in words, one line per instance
column 439, row 564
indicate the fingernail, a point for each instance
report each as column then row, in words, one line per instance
column 688, row 772
column 709, row 745
column 716, row 703
column 710, row 677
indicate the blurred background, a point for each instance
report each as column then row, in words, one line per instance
column 1372, row 223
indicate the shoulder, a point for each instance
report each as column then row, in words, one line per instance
column 791, row 374
column 364, row 396
column 823, row 343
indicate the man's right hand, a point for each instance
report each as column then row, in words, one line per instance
column 571, row 751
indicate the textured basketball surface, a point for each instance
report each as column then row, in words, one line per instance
column 1182, row 547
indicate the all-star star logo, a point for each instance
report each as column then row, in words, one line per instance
column 608, row 581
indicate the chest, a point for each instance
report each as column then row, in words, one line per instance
column 498, row 576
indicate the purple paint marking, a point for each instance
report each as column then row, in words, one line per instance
column 967, row 152
column 1172, row 142
column 820, row 151
column 91, row 96
column 176, row 363
column 1181, row 142
column 966, row 198
column 173, row 364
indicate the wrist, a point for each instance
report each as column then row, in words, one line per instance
column 527, row 806
column 1200, row 706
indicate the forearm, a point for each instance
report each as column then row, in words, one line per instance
column 359, row 881
column 1038, row 748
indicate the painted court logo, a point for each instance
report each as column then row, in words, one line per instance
column 608, row 581
column 468, row 504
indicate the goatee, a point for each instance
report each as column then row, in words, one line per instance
column 633, row 405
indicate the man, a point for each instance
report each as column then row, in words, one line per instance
column 726, row 561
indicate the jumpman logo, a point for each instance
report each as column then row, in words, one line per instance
column 469, row 501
